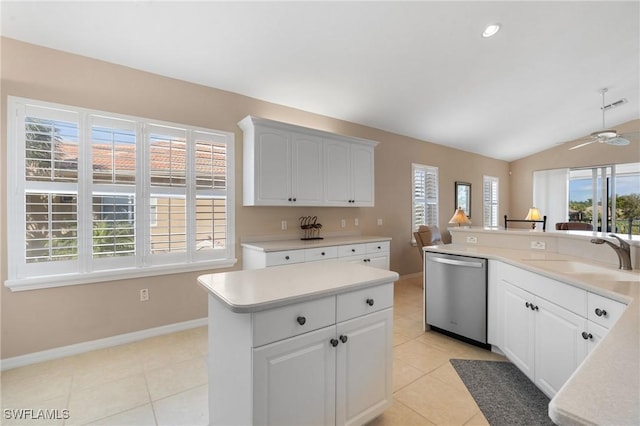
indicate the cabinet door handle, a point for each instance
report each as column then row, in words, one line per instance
column 343, row 338
column 601, row 312
column 353, row 250
column 334, row 342
column 286, row 258
column 370, row 302
column 535, row 308
column 587, row 336
column 301, row 320
column 527, row 304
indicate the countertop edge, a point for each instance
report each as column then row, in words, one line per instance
column 262, row 306
column 280, row 245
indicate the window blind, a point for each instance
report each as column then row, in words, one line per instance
column 425, row 196
column 490, row 200
column 102, row 194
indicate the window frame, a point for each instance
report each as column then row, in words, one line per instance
column 87, row 268
column 415, row 167
column 491, row 180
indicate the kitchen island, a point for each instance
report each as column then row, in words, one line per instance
column 605, row 387
column 308, row 343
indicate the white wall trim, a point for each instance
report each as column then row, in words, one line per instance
column 92, row 345
column 408, row 276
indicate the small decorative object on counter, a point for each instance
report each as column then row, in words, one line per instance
column 311, row 228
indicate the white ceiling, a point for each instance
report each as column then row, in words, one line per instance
column 419, row 69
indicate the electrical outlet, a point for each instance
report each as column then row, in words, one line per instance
column 538, row 245
column 356, row 222
column 343, row 223
column 144, row 295
column 379, row 222
column 472, row 240
column 283, row 225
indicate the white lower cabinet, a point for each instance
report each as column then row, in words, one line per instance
column 306, row 380
column 363, row 380
column 559, row 345
column 295, row 380
column 287, row 366
column 375, row 254
column 543, row 339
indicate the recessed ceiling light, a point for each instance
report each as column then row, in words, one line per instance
column 491, row 30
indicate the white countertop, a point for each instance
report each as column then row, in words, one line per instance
column 280, row 245
column 605, row 389
column 260, row 289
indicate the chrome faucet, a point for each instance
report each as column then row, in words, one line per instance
column 623, row 250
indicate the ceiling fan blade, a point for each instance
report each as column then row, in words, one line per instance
column 617, row 141
column 583, row 144
column 631, row 135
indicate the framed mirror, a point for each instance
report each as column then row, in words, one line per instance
column 463, row 197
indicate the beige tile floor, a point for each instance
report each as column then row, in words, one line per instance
column 163, row 380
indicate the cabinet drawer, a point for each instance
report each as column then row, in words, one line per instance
column 362, row 302
column 352, row 250
column 603, row 311
column 275, row 258
column 565, row 295
column 280, row 323
column 378, row 247
column 320, row 253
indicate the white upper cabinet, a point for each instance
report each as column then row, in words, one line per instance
column 287, row 165
column 350, row 176
column 307, row 182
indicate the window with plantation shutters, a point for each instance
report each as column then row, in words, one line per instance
column 95, row 196
column 490, row 200
column 425, row 196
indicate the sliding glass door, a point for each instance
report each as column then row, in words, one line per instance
column 608, row 197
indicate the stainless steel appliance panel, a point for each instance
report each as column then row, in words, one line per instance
column 456, row 294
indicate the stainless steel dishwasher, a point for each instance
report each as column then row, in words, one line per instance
column 456, row 295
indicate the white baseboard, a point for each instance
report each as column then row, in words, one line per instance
column 63, row 351
column 414, row 275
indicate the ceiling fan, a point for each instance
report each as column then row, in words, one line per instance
column 608, row 136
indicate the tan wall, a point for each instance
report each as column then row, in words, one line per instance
column 42, row 319
column 596, row 154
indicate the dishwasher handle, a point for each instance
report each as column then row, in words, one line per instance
column 456, row 262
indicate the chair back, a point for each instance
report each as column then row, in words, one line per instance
column 574, row 226
column 427, row 236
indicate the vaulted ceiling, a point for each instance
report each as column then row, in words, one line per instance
column 420, row 69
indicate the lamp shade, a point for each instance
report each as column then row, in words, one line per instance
column 460, row 218
column 534, row 214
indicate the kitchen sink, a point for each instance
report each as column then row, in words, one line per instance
column 584, row 270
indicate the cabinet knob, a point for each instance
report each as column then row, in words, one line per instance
column 353, row 250
column 295, row 199
column 370, row 302
column 343, row 338
column 322, row 253
column 601, row 312
column 286, row 258
column 379, row 248
column 334, row 342
column 290, row 199
column 587, row 336
column 301, row 320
